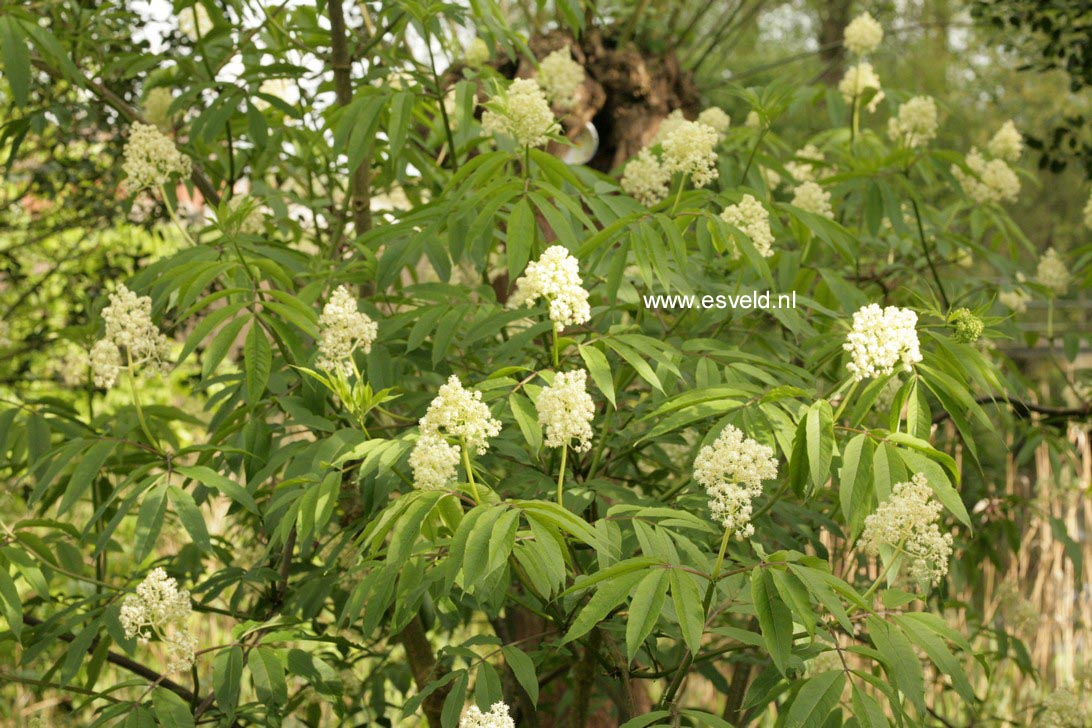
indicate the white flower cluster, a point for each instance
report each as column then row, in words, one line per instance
column 811, row 197
column 771, row 178
column 560, row 77
column 750, row 216
column 1052, row 271
column 159, row 608
column 522, row 113
column 908, row 518
column 669, row 124
column 1066, row 709
column 804, row 171
column 555, row 277
column 566, row 410
column 194, row 21
column 157, row 103
column 863, row 34
column 690, row 148
column 151, row 158
column 1007, row 143
column 497, row 717
column 434, row 462
column 753, row 120
column 129, row 326
column 645, row 179
column 1015, row 299
column 476, row 54
column 732, row 470
column 915, row 125
column 342, row 330
column 857, row 81
column 881, row 339
column 715, row 118
column 993, row 181
column 1088, row 213
column 460, row 413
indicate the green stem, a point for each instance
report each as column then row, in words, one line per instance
column 470, row 473
column 712, row 588
column 855, row 118
column 845, row 399
column 597, row 456
column 688, row 658
column 751, row 156
column 883, row 574
column 929, row 255
column 678, row 194
column 556, row 355
column 1050, row 320
column 561, row 476
column 174, row 217
column 136, row 403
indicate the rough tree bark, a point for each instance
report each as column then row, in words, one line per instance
column 341, row 63
column 833, row 19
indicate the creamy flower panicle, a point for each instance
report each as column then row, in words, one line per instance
column 859, row 79
column 907, row 520
column 194, row 21
column 129, row 328
column 434, row 462
column 477, row 53
column 560, row 77
column 497, row 717
column 554, row 277
column 750, row 216
column 881, row 340
column 715, row 118
column 646, row 179
column 1007, row 143
column 522, row 113
column 690, row 148
column 732, row 470
column 811, row 197
column 566, row 410
column 460, row 413
column 1066, row 709
column 151, row 159
column 802, row 169
column 915, row 125
column 863, row 34
column 156, row 106
column 1016, row 298
column 992, row 181
column 770, row 178
column 1052, row 271
column 343, row 329
column 670, row 123
column 159, row 608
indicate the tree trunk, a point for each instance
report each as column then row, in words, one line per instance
column 834, row 17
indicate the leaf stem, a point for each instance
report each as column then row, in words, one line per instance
column 883, row 574
column 136, row 403
column 561, row 476
column 845, row 399
column 174, row 217
column 469, row 472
